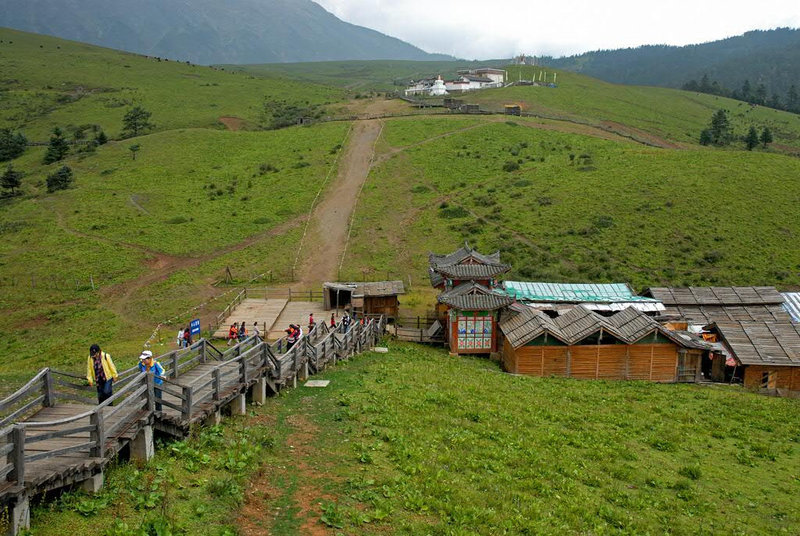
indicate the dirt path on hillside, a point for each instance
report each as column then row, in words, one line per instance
column 324, row 245
column 259, row 512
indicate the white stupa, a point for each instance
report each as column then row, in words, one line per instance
column 438, row 89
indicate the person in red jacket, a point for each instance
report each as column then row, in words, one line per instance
column 233, row 333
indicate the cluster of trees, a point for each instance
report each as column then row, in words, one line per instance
column 748, row 93
column 13, row 145
column 719, row 133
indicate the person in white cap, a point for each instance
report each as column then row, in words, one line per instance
column 148, row 364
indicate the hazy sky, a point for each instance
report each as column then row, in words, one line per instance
column 482, row 29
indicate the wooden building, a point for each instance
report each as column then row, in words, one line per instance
column 472, row 318
column 372, row 298
column 583, row 344
column 470, row 302
column 769, row 353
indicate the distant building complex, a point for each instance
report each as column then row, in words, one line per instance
column 468, row 80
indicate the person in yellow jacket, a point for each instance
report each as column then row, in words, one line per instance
column 100, row 371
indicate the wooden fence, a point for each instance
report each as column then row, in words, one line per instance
column 38, row 453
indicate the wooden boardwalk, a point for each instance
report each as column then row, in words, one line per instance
column 250, row 310
column 53, row 433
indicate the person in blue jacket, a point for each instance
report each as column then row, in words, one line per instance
column 148, row 364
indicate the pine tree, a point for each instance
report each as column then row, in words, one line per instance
column 766, row 137
column 58, row 147
column 12, row 144
column 60, row 179
column 720, row 128
column 11, row 180
column 751, row 140
column 136, row 120
column 792, row 100
column 101, row 138
column 706, row 138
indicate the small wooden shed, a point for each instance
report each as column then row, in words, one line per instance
column 370, row 298
column 769, row 352
column 583, row 344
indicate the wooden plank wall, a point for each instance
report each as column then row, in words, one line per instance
column 652, row 362
column 786, row 378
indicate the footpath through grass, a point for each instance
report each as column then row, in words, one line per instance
column 417, row 442
column 570, row 207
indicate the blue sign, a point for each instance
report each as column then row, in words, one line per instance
column 195, row 326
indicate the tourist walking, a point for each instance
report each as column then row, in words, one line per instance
column 256, row 332
column 333, row 320
column 233, row 333
column 100, row 371
column 311, row 322
column 148, row 364
column 291, row 337
column 187, row 338
column 179, row 338
column 242, row 332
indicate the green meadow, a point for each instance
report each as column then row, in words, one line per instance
column 416, row 442
column 48, row 82
column 570, row 207
column 677, row 116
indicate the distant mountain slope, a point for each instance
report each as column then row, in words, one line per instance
column 769, row 57
column 209, row 31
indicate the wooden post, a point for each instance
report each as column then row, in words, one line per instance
column 186, row 407
column 174, row 364
column 49, row 392
column 98, row 434
column 151, row 394
column 18, row 455
column 203, row 351
column 242, row 371
column 215, row 374
column 290, row 288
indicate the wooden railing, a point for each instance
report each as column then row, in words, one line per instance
column 16, row 439
column 230, row 307
column 233, row 371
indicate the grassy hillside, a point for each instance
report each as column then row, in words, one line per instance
column 151, row 234
column 578, row 207
column 675, row 115
column 416, row 442
column 363, row 75
column 48, row 82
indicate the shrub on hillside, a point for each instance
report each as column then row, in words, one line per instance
column 510, row 166
column 60, row 179
column 58, row 147
column 12, row 144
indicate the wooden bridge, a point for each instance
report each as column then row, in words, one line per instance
column 53, row 434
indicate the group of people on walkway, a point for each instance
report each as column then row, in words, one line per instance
column 101, row 373
column 238, row 333
column 184, row 338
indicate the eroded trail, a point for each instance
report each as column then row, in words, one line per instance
column 324, row 245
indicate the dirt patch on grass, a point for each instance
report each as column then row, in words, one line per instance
column 232, row 123
column 639, row 135
column 258, row 514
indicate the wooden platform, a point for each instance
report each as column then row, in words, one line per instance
column 296, row 312
column 251, row 310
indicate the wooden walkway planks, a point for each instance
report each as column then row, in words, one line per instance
column 56, row 436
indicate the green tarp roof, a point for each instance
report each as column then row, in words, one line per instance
column 572, row 292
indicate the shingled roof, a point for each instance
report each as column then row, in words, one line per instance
column 455, row 265
column 761, row 343
column 705, row 305
column 474, row 297
column 629, row 326
column 472, row 271
column 715, row 295
column 370, row 289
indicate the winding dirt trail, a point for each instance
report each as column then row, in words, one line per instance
column 325, row 243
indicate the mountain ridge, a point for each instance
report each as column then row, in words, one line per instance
column 769, row 57
column 208, row 32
